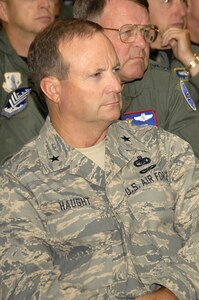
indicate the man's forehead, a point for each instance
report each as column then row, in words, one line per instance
column 123, row 12
column 95, row 47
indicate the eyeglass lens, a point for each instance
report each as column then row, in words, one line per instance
column 128, row 33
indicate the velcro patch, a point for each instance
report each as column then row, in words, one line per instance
column 17, row 101
column 181, row 73
column 143, row 117
column 187, row 95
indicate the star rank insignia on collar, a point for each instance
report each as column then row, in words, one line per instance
column 54, row 158
column 126, row 139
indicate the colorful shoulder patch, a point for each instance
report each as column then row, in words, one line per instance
column 187, row 95
column 12, row 81
column 17, row 101
column 181, row 73
column 143, row 117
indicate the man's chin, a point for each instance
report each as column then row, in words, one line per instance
column 133, row 73
column 132, row 77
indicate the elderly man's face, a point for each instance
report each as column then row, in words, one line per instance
column 168, row 13
column 133, row 56
column 91, row 93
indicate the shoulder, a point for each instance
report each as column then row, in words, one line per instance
column 153, row 137
column 24, row 160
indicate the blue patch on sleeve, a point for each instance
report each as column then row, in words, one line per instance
column 17, row 101
column 187, row 95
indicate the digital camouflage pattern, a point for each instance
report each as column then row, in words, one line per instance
column 70, row 230
column 23, row 120
column 160, row 91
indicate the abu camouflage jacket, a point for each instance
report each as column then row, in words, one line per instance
column 70, row 230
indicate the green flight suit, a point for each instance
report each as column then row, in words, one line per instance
column 161, row 92
column 22, row 109
column 166, row 59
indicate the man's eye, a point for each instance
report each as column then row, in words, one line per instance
column 97, row 74
column 116, row 69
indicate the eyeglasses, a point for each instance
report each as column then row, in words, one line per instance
column 129, row 32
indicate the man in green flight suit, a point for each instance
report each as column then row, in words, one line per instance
column 22, row 109
column 152, row 94
column 173, row 48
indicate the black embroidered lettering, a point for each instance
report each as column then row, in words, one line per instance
column 73, row 203
column 128, row 191
column 84, row 201
column 144, row 181
column 134, row 187
column 67, row 205
column 149, row 178
column 62, row 206
column 87, row 199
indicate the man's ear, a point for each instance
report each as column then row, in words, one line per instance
column 51, row 88
column 3, row 11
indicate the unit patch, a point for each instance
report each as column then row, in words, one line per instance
column 187, row 95
column 12, row 81
column 17, row 101
column 144, row 117
column 181, row 73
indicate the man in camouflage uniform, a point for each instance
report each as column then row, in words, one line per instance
column 96, row 208
column 22, row 109
column 159, row 98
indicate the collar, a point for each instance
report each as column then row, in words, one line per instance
column 121, row 146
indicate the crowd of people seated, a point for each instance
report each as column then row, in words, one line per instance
column 99, row 170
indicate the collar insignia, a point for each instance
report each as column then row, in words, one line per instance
column 145, row 117
column 12, row 81
column 187, row 95
column 126, row 139
column 54, row 158
column 17, row 101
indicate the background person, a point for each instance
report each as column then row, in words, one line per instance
column 154, row 95
column 173, row 49
column 63, row 9
column 96, row 208
column 193, row 20
column 22, row 109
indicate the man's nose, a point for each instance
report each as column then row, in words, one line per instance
column 45, row 3
column 140, row 40
column 116, row 83
column 181, row 8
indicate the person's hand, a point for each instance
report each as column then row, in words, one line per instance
column 161, row 294
column 179, row 40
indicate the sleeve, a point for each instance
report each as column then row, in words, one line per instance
column 181, row 118
column 180, row 273
column 195, row 82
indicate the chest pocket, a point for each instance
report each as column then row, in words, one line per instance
column 83, row 237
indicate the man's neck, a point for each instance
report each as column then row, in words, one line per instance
column 20, row 42
column 81, row 135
